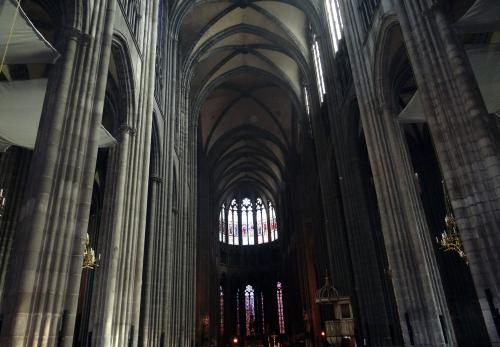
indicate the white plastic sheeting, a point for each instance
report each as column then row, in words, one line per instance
column 27, row 45
column 21, row 105
column 485, row 61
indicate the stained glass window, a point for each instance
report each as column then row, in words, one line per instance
column 247, row 229
column 257, row 222
column 306, row 101
column 232, row 224
column 238, row 327
column 262, row 312
column 221, row 311
column 249, row 310
column 320, row 79
column 262, row 230
column 281, row 317
column 222, row 224
column 334, row 22
column 272, row 222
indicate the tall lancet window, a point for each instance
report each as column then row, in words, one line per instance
column 232, row 224
column 248, row 222
column 238, row 326
column 262, row 229
column 247, row 228
column 221, row 303
column 320, row 79
column 222, row 224
column 250, row 310
column 334, row 22
column 262, row 313
column 272, row 222
column 306, row 101
column 281, row 316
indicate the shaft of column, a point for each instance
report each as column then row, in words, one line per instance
column 422, row 307
column 152, row 238
column 14, row 165
column 467, row 148
column 110, row 260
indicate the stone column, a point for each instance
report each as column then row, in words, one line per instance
column 468, row 151
column 371, row 292
column 111, row 233
column 146, row 112
column 168, row 170
column 152, row 238
column 42, row 271
column 14, row 165
column 422, row 308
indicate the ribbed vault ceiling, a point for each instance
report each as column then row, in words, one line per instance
column 247, row 62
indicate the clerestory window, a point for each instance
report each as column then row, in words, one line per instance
column 248, row 222
column 334, row 22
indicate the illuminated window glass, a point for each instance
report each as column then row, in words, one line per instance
column 334, row 22
column 262, row 312
column 232, row 224
column 222, row 224
column 247, row 227
column 249, row 310
column 281, row 317
column 221, row 311
column 306, row 100
column 320, row 79
column 238, row 326
column 262, row 229
column 257, row 222
column 272, row 222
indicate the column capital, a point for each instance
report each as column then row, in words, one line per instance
column 156, row 179
column 127, row 129
column 72, row 33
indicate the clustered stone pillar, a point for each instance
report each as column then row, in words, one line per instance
column 181, row 332
column 173, row 269
column 148, row 311
column 466, row 146
column 112, row 233
column 116, row 307
column 423, row 311
column 40, row 305
column 37, row 308
column 207, row 284
column 14, row 166
column 343, row 179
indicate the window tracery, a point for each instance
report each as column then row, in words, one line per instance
column 334, row 22
column 281, row 316
column 272, row 222
column 222, row 224
column 238, row 327
column 221, row 303
column 249, row 310
column 232, row 224
column 262, row 314
column 248, row 222
column 318, row 66
column 247, row 230
column 262, row 229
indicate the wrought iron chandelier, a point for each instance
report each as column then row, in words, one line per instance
column 89, row 259
column 450, row 238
